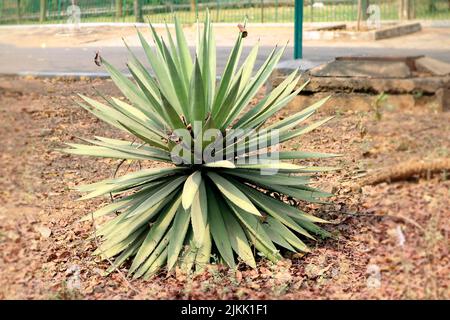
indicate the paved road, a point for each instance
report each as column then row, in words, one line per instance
column 80, row 60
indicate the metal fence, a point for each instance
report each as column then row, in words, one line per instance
column 261, row 11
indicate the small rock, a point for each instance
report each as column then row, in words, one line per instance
column 44, row 231
column 400, row 236
column 45, row 132
column 12, row 235
column 374, row 276
column 74, row 282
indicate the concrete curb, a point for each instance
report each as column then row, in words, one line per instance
column 64, row 75
column 385, row 32
column 301, row 64
column 67, row 75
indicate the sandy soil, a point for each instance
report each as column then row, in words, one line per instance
column 399, row 229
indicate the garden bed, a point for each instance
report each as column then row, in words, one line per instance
column 358, row 82
column 45, row 252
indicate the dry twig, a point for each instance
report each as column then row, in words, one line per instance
column 407, row 170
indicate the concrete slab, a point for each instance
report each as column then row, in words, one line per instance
column 330, row 27
column 344, row 101
column 362, row 68
column 433, row 66
column 338, row 32
column 302, row 65
column 397, row 31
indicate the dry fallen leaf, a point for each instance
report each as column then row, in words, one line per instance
column 238, row 276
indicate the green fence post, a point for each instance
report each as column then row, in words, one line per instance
column 276, row 10
column 432, row 6
column 42, row 10
column 217, row 10
column 262, row 11
column 364, row 6
column 59, row 9
column 196, row 10
column 298, row 30
column 125, row 10
column 138, row 11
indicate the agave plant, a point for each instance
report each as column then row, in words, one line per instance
column 185, row 214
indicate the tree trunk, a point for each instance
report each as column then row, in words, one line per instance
column 138, row 11
column 19, row 12
column 363, row 5
column 401, row 9
column 406, row 9
column 43, row 10
column 411, row 9
column 358, row 24
column 193, row 5
column 119, row 8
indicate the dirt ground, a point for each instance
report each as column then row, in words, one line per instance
column 107, row 36
column 392, row 238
